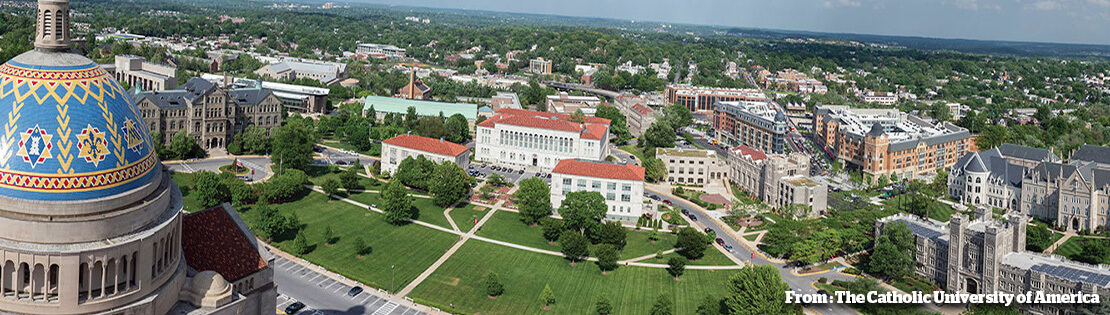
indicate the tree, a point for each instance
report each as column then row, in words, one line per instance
column 582, row 211
column 678, row 116
column 663, row 306
column 757, row 290
column 612, row 233
column 410, row 118
column 158, row 142
column 360, row 246
column 676, row 266
column 1094, row 251
column 458, row 129
column 1037, row 238
column 183, row 146
column 495, row 179
column 659, row 135
column 300, row 244
column 709, row 306
column 255, row 140
column 533, row 198
column 607, row 256
column 547, row 296
column 396, row 203
column 574, row 245
column 210, row 190
column 451, row 184
column 329, row 236
column 330, row 187
column 349, row 178
column 493, row 285
column 690, row 243
column 552, row 228
column 604, row 306
column 292, row 144
column 284, row 187
column 270, row 222
column 654, row 169
column 893, row 255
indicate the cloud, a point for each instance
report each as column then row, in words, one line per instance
column 1048, row 5
column 846, row 3
column 1105, row 3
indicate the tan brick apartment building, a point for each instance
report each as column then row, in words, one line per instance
column 886, row 141
column 702, row 99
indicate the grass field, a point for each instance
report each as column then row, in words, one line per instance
column 506, row 226
column 632, row 290
column 411, row 248
column 1071, row 247
column 186, row 182
column 751, row 237
column 319, row 174
column 429, row 211
column 465, row 214
column 713, row 257
column 937, row 210
column 634, row 150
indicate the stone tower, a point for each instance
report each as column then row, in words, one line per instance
column 53, row 33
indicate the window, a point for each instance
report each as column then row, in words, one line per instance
column 626, row 187
column 595, row 185
column 566, row 182
column 611, row 196
column 611, row 186
column 626, row 198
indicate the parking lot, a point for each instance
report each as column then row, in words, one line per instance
column 324, row 295
column 512, row 175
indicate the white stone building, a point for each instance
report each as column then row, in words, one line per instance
column 692, row 167
column 622, row 186
column 524, row 138
column 396, row 149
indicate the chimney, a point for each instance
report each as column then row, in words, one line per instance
column 412, row 83
column 440, row 139
column 52, row 32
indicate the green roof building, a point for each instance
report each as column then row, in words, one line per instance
column 383, row 104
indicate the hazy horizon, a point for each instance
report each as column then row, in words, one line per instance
column 1046, row 21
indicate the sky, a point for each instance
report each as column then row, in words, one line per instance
column 1054, row 21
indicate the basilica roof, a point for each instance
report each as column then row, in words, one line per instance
column 70, row 131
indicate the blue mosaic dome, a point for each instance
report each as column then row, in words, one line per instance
column 70, row 131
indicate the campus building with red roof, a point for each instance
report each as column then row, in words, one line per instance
column 526, row 138
column 396, row 149
column 622, row 185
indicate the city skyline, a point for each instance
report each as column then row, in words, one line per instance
column 1048, row 21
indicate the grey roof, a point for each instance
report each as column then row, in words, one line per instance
column 779, row 116
column 1059, row 267
column 906, row 145
column 1092, row 153
column 1027, row 153
column 975, row 164
column 196, row 87
column 928, row 228
column 876, row 130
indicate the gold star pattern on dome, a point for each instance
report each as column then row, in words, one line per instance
column 91, row 145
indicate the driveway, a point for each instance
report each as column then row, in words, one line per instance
column 324, row 295
column 256, row 164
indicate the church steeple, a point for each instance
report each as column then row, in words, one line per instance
column 53, row 33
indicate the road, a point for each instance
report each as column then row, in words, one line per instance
column 324, row 295
column 331, row 155
column 581, row 87
column 798, row 283
column 796, row 141
column 256, row 164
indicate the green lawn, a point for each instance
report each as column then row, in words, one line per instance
column 411, row 248
column 506, row 226
column 937, row 210
column 319, row 174
column 1071, row 247
column 186, row 182
column 634, row 150
column 751, row 237
column 429, row 211
column 375, row 148
column 465, row 214
column 712, row 257
column 524, row 274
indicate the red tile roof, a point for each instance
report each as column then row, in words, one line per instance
column 640, row 108
column 425, row 144
column 599, row 169
column 594, row 128
column 746, row 150
column 212, row 241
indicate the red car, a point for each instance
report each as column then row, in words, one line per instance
column 668, row 202
column 720, row 241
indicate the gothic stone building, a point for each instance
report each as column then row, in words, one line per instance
column 213, row 115
column 983, row 255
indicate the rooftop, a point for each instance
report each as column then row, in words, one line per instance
column 424, row 108
column 903, row 130
column 743, row 150
column 591, row 128
column 599, row 169
column 425, row 144
column 801, row 181
column 684, row 152
column 1059, row 267
column 213, row 240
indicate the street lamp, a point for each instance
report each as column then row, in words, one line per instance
column 393, row 279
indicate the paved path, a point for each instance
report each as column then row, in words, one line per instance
column 428, row 272
column 1059, row 242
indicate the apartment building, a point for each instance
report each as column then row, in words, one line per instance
column 993, row 178
column 622, row 186
column 692, row 167
column 396, row 149
column 880, row 142
column 539, row 140
column 704, row 99
column 539, row 66
column 981, row 255
column 213, row 115
column 779, row 180
column 754, row 124
column 567, row 104
column 138, row 73
column 637, row 113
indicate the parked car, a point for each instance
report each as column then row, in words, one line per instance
column 354, row 291
column 694, row 218
column 728, row 247
column 720, row 241
column 668, row 202
column 294, row 308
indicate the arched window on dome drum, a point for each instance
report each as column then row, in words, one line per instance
column 110, row 277
column 83, row 282
column 132, row 270
column 52, row 284
column 24, row 282
column 96, row 280
column 7, row 280
column 58, row 26
column 38, row 283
